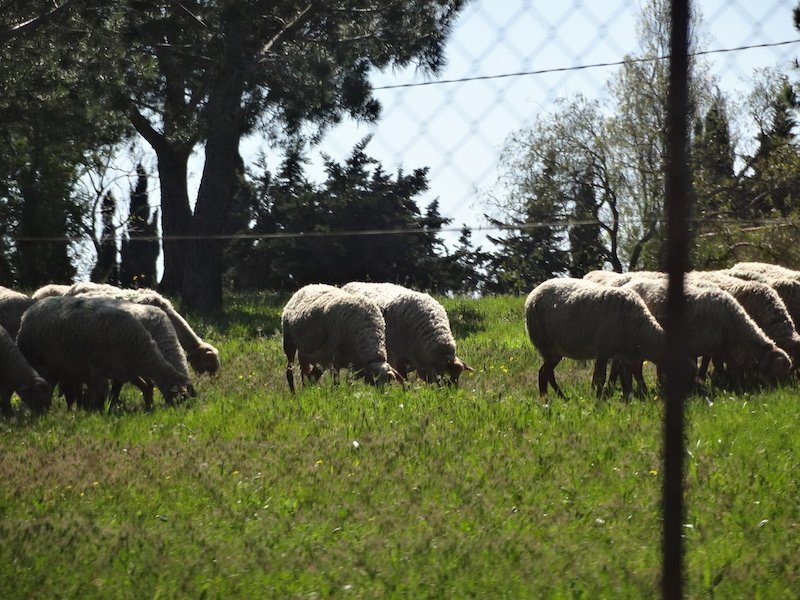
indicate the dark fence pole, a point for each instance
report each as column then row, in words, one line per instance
column 677, row 188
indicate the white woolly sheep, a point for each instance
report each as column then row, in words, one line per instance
column 418, row 335
column 581, row 319
column 326, row 326
column 76, row 339
column 51, row 289
column 202, row 356
column 762, row 303
column 717, row 325
column 768, row 269
column 788, row 289
column 16, row 375
column 159, row 326
column 12, row 305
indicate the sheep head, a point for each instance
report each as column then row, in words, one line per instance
column 380, row 373
column 37, row 395
column 775, row 366
column 204, row 359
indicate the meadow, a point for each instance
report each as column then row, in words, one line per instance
column 354, row 492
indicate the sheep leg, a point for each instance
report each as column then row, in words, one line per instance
column 547, row 376
column 5, row 403
column 616, row 373
column 96, row 390
column 599, row 375
column 703, row 370
column 146, row 387
column 290, row 350
column 641, row 386
column 626, row 379
column 116, row 388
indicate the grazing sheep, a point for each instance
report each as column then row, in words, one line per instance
column 333, row 328
column 418, row 335
column 581, row 319
column 77, row 339
column 202, row 356
column 618, row 370
column 762, row 303
column 159, row 326
column 12, row 305
column 16, row 375
column 788, row 289
column 51, row 289
column 718, row 326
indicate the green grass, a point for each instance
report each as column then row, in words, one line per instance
column 484, row 491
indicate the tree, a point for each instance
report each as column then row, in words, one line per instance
column 584, row 236
column 464, row 268
column 600, row 161
column 209, row 73
column 562, row 169
column 106, row 268
column 532, row 248
column 140, row 248
column 52, row 124
column 333, row 232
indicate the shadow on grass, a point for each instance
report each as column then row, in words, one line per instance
column 465, row 320
column 246, row 314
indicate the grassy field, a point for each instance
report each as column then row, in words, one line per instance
column 352, row 492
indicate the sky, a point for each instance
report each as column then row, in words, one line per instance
column 458, row 129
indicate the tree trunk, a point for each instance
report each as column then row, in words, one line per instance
column 201, row 288
column 176, row 215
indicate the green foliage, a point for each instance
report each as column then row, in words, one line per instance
column 209, row 73
column 138, row 256
column 53, row 120
column 106, row 268
column 480, row 491
column 357, row 195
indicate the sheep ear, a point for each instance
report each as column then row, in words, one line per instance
column 397, row 375
column 462, row 364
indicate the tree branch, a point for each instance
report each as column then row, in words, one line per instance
column 35, row 22
column 145, row 129
column 292, row 24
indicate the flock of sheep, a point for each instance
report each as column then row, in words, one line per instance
column 742, row 318
column 86, row 336
column 83, row 336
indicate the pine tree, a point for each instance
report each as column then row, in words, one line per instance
column 585, row 245
column 140, row 247
column 106, row 269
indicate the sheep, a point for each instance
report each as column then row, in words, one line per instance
column 159, row 326
column 718, row 326
column 582, row 319
column 202, row 356
column 614, row 279
column 51, row 289
column 325, row 325
column 788, row 289
column 611, row 278
column 16, row 375
column 618, row 370
column 76, row 339
column 770, row 270
column 762, row 303
column 418, row 335
column 12, row 305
